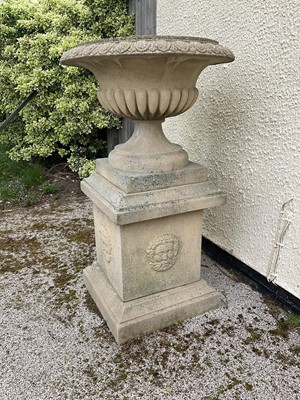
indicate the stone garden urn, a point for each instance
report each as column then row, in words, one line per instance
column 148, row 197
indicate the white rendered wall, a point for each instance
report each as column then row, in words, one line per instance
column 245, row 125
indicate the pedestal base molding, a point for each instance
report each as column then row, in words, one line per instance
column 138, row 317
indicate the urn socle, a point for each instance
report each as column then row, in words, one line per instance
column 148, row 197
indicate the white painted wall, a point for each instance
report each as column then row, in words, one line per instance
column 245, row 125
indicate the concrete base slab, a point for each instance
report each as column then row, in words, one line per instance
column 137, row 317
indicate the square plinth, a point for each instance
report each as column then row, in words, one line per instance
column 137, row 317
column 148, row 246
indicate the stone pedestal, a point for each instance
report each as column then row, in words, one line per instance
column 148, row 230
column 148, row 198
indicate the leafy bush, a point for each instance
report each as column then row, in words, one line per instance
column 65, row 116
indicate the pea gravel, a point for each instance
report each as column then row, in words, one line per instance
column 55, row 345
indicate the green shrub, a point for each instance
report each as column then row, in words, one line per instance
column 65, row 117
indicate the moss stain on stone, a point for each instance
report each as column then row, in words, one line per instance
column 91, row 305
column 248, row 386
column 286, row 325
column 14, row 244
column 11, row 248
column 288, row 359
column 91, row 374
column 255, row 335
column 295, row 349
column 81, row 236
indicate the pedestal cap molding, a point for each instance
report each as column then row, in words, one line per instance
column 122, row 208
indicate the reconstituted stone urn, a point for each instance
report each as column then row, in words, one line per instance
column 148, row 197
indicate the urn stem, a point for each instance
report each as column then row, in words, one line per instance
column 148, row 150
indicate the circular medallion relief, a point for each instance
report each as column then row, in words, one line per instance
column 162, row 252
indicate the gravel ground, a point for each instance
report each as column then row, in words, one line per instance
column 55, row 345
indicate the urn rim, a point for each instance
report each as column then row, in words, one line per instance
column 149, row 46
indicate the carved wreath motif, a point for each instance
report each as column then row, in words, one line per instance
column 106, row 244
column 162, row 252
column 148, row 45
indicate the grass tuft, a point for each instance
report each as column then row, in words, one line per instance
column 23, row 183
column 49, row 188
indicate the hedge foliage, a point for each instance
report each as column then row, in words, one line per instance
column 65, row 117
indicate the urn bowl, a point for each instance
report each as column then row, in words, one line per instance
column 147, row 77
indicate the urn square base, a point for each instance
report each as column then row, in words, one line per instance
column 134, row 318
column 133, row 182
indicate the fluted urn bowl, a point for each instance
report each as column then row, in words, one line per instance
column 147, row 79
